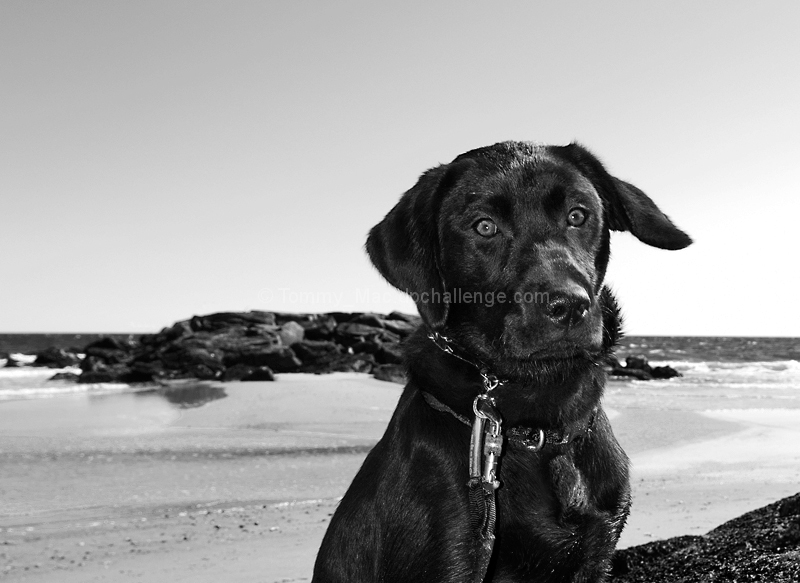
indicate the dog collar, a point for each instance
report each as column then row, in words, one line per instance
column 529, row 438
column 445, row 344
column 525, row 437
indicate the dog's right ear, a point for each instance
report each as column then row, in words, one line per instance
column 627, row 207
column 404, row 246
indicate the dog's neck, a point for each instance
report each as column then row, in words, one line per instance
column 550, row 394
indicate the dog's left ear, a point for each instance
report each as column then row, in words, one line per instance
column 627, row 207
column 404, row 246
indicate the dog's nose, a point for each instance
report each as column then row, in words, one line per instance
column 567, row 307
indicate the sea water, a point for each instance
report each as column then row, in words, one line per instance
column 33, row 382
column 729, row 370
column 717, row 373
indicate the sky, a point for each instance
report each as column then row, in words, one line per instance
column 160, row 159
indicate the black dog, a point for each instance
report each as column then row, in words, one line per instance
column 504, row 251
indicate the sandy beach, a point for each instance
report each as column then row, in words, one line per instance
column 131, row 487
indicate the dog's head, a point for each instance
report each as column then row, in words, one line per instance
column 505, row 248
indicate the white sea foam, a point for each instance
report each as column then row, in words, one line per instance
column 56, row 391
column 34, row 383
column 67, row 388
column 774, row 417
column 787, row 368
column 33, row 372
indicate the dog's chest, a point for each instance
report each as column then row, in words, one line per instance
column 547, row 522
column 569, row 484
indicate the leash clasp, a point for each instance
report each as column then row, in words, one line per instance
column 491, row 434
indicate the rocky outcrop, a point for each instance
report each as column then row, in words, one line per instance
column 247, row 346
column 245, row 372
column 56, row 358
column 638, row 368
column 763, row 545
column 9, row 360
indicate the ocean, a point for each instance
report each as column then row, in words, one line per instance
column 727, row 369
column 718, row 372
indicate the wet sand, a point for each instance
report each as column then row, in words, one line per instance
column 133, row 487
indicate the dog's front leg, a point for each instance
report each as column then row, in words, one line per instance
column 405, row 516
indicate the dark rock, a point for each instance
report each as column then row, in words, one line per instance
column 148, row 339
column 320, row 328
column 303, row 319
column 174, row 332
column 237, row 372
column 353, row 363
column 350, row 333
column 410, row 318
column 763, row 545
column 204, row 372
column 206, row 354
column 341, row 317
column 235, row 336
column 260, row 331
column 389, row 337
column 92, row 364
column 109, row 355
column 115, row 373
column 147, row 371
column 790, row 507
column 638, row 363
column 665, row 372
column 390, row 353
column 366, row 347
column 222, row 320
column 393, row 373
column 638, row 368
column 234, row 345
column 261, row 373
column 64, row 376
column 245, row 372
column 196, row 356
column 290, row 332
column 111, row 343
column 96, row 376
column 316, row 353
column 370, row 319
column 400, row 327
column 632, row 373
column 56, row 358
column 10, row 362
column 278, row 358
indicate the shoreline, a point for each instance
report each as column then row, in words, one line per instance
column 242, row 487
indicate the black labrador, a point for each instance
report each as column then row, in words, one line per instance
column 504, row 251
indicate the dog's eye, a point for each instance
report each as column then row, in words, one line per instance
column 486, row 228
column 576, row 217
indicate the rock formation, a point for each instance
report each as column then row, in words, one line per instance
column 762, row 545
column 638, row 368
column 252, row 346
